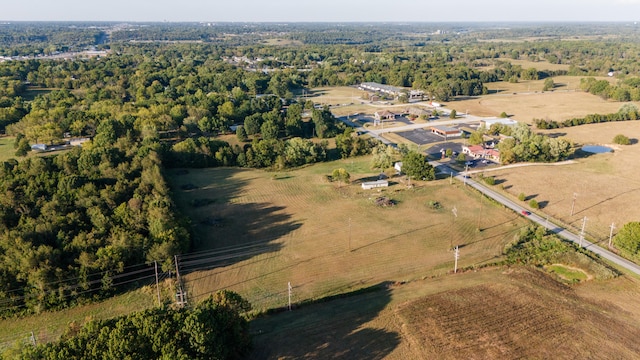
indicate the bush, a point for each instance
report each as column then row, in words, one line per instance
column 490, row 180
column 522, row 197
column 621, row 140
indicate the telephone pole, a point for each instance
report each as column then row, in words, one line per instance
column 456, row 256
column 613, row 226
column 584, row 223
column 455, row 215
column 350, row 234
column 157, row 286
column 180, row 294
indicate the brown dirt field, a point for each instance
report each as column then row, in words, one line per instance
column 605, row 183
column 493, row 313
column 297, row 227
column 522, row 315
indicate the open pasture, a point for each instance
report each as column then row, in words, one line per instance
column 494, row 313
column 607, row 186
column 526, row 106
column 258, row 231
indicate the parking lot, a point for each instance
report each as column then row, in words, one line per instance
column 421, row 136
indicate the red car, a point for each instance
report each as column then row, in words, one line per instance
column 525, row 213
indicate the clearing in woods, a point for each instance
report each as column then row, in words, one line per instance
column 259, row 230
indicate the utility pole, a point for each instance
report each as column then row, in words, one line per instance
column 480, row 213
column 157, row 286
column 33, row 338
column 466, row 170
column 584, row 223
column 180, row 294
column 350, row 234
column 573, row 203
column 455, row 215
column 613, row 226
column 289, row 287
column 457, row 255
column 451, row 179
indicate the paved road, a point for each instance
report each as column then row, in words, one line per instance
column 540, row 220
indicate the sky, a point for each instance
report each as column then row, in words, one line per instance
column 320, row 10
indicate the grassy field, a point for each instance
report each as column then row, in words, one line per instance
column 6, row 148
column 606, row 185
column 48, row 326
column 538, row 65
column 494, row 313
column 524, row 105
column 297, row 227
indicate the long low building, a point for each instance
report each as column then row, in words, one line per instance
column 375, row 184
column 446, row 131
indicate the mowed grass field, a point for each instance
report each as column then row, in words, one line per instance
column 607, row 186
column 525, row 101
column 262, row 230
column 495, row 313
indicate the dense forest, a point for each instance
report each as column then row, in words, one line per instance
column 162, row 95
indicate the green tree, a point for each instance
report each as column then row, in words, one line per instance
column 23, row 147
column 476, row 138
column 269, row 130
column 241, row 134
column 628, row 240
column 504, row 115
column 453, row 114
column 621, row 140
column 252, row 124
column 341, row 176
column 522, row 197
column 534, row 204
column 416, row 166
column 383, row 156
column 548, row 84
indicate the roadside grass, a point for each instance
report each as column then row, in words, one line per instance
column 325, row 239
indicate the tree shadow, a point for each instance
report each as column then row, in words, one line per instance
column 633, row 141
column 557, row 134
column 531, row 197
column 499, row 181
column 543, row 204
column 225, row 230
column 330, row 328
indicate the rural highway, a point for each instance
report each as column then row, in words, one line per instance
column 560, row 231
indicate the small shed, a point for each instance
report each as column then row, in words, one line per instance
column 39, row 147
column 398, row 167
column 375, row 184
